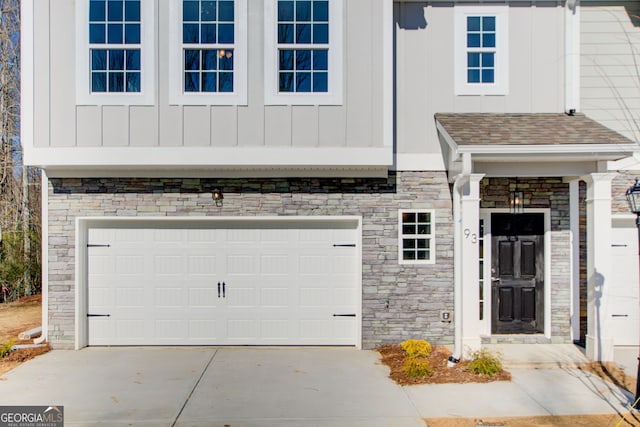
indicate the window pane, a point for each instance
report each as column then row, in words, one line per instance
column 408, row 229
column 133, row 59
column 303, row 60
column 408, row 243
column 320, row 60
column 303, row 82
column 226, row 60
column 285, row 83
column 473, row 23
column 423, row 255
column 114, row 33
column 209, row 82
column 424, row 229
column 210, row 59
column 190, row 10
column 473, row 76
column 424, row 217
column 98, row 59
column 487, row 60
column 321, row 33
column 190, row 33
column 473, row 40
column 191, row 59
column 97, row 10
column 97, row 33
column 133, row 82
column 286, row 59
column 98, row 82
column 487, row 76
column 408, row 217
column 116, row 82
column 132, row 33
column 208, row 11
column 303, row 33
column 132, row 10
column 285, row 33
column 116, row 60
column 320, row 82
column 226, row 82
column 489, row 40
column 191, row 82
column 303, row 11
column 408, row 255
column 115, row 10
column 226, row 12
column 320, row 11
column 473, row 59
column 489, row 23
column 226, row 33
column 208, row 33
column 285, row 11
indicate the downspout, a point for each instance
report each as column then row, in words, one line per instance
column 457, row 270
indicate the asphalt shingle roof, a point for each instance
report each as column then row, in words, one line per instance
column 526, row 129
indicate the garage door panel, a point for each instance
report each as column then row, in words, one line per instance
column 281, row 286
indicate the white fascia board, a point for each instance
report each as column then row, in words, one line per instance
column 208, row 157
column 595, row 149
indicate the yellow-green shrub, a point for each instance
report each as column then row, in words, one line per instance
column 483, row 362
column 5, row 348
column 416, row 368
column 416, row 348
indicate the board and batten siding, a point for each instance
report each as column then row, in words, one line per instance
column 356, row 123
column 610, row 64
column 424, row 54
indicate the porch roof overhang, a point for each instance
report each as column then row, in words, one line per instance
column 528, row 144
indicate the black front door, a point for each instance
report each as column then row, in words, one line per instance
column 517, row 273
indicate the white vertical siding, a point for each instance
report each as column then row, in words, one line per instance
column 356, row 123
column 609, row 66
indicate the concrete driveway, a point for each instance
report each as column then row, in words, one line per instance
column 268, row 387
column 213, row 387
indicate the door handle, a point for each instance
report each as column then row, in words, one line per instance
column 224, row 286
column 218, row 289
column 495, row 279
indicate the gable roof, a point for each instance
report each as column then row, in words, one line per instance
column 527, row 129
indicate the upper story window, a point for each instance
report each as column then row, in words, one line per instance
column 416, row 237
column 115, row 52
column 303, row 52
column 208, row 52
column 481, row 64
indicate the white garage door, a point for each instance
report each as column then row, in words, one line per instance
column 622, row 290
column 233, row 283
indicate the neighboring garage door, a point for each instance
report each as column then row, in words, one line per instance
column 227, row 283
column 622, row 290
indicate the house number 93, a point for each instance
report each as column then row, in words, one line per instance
column 469, row 235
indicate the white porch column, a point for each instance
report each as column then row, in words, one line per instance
column 470, row 227
column 599, row 344
column 574, row 218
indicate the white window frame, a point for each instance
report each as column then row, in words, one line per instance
column 500, row 86
column 177, row 95
column 146, row 96
column 430, row 237
column 333, row 96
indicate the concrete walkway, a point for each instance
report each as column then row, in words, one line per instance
column 289, row 387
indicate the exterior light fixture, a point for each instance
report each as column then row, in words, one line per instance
column 633, row 198
column 218, row 197
column 516, row 200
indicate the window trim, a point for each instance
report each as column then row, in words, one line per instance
column 500, row 86
column 334, row 95
column 431, row 237
column 177, row 95
column 146, row 96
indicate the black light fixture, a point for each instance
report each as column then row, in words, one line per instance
column 218, row 197
column 516, row 200
column 633, row 198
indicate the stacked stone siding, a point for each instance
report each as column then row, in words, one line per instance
column 415, row 293
column 551, row 193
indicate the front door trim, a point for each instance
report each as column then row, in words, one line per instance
column 485, row 215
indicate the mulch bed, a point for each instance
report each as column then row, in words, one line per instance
column 394, row 356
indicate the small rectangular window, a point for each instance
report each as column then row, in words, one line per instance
column 481, row 49
column 416, row 236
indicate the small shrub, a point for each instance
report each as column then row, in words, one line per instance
column 483, row 362
column 5, row 349
column 416, row 348
column 416, row 368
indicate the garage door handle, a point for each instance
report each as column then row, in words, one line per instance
column 218, row 289
column 98, row 315
column 345, row 315
column 224, row 286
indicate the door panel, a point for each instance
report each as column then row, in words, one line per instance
column 517, row 274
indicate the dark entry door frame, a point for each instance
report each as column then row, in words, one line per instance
column 487, row 263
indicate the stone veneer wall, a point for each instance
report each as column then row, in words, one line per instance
column 416, row 294
column 549, row 193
